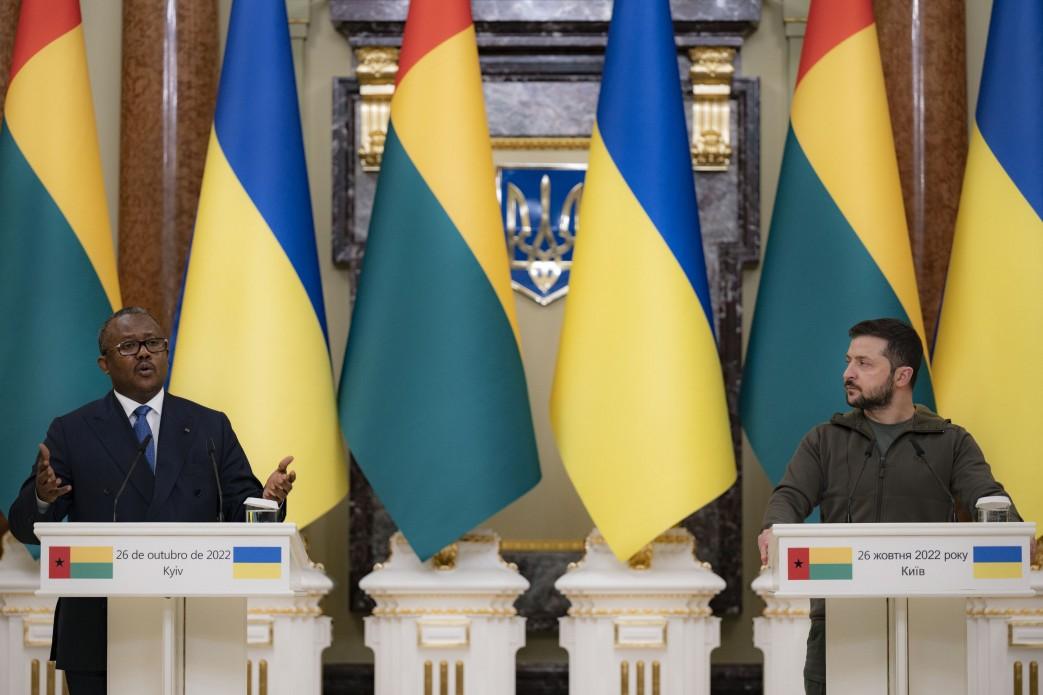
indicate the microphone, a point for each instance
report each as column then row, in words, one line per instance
column 952, row 500
column 137, row 457
column 851, row 490
column 217, row 479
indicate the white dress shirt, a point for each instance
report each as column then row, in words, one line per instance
column 153, row 417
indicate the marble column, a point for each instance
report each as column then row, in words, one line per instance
column 923, row 46
column 8, row 24
column 170, row 74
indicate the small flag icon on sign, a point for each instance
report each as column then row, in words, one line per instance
column 819, row 563
column 997, row 562
column 79, row 562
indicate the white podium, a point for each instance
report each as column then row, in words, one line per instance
column 640, row 628
column 896, row 596
column 447, row 625
column 177, row 595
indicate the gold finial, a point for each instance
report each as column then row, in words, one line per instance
column 642, row 559
column 445, row 559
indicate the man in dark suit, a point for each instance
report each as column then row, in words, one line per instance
column 88, row 453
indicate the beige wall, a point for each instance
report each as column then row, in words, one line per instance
column 325, row 55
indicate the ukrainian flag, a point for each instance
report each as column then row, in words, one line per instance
column 987, row 354
column 58, row 278
column 433, row 395
column 638, row 404
column 838, row 251
column 251, row 337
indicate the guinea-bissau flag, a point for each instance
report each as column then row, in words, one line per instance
column 990, row 335
column 838, row 251
column 433, row 396
column 251, row 337
column 58, row 279
column 638, row 403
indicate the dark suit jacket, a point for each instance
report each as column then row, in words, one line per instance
column 92, row 449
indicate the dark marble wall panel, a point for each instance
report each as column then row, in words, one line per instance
column 169, row 85
column 8, row 24
column 923, row 46
column 541, row 63
column 729, row 213
column 564, row 22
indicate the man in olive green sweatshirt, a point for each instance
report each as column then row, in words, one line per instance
column 885, row 461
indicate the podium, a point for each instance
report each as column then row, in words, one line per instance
column 896, row 596
column 177, row 594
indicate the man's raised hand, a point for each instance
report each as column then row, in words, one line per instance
column 48, row 486
column 280, row 482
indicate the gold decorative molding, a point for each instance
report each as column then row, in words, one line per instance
column 641, row 560
column 615, row 612
column 540, row 143
column 27, row 633
column 463, row 639
column 386, row 612
column 1014, row 641
column 445, row 559
column 659, row 643
column 26, row 610
column 375, row 68
column 711, row 73
column 785, row 613
column 542, row 546
column 1004, row 612
column 296, row 611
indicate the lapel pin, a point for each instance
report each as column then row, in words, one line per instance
column 187, row 430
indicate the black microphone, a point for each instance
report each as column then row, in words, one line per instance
column 217, row 479
column 952, row 500
column 851, row 490
column 137, row 457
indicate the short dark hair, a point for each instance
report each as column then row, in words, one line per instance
column 125, row 311
column 904, row 348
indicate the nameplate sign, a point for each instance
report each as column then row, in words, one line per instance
column 164, row 559
column 880, row 560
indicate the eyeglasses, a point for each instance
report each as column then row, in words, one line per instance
column 131, row 347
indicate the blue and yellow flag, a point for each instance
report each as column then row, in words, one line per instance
column 987, row 363
column 838, row 251
column 433, row 395
column 638, row 404
column 251, row 337
column 58, row 279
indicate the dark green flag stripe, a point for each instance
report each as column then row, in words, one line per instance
column 817, row 280
column 51, row 306
column 433, row 396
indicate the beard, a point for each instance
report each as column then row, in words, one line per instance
column 873, row 400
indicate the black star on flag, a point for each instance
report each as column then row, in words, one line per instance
column 796, row 563
column 59, row 562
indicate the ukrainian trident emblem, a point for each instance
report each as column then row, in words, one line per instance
column 540, row 210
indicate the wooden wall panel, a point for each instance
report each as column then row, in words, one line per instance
column 170, row 74
column 8, row 24
column 923, row 45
